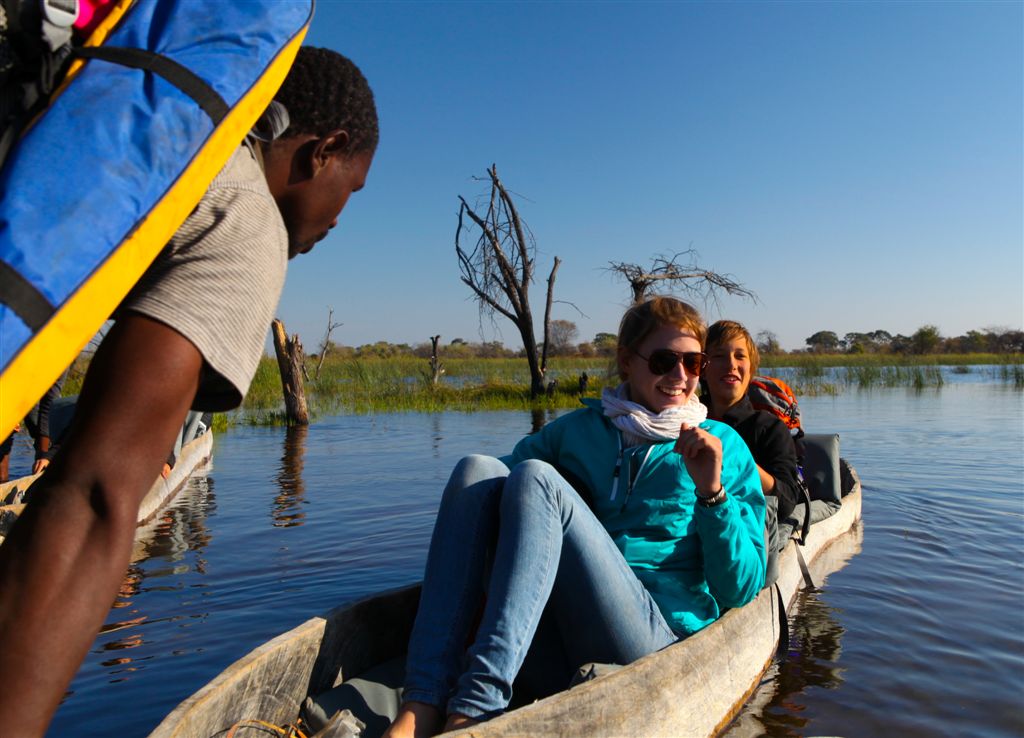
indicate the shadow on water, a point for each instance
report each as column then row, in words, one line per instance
column 779, row 706
column 290, row 498
column 436, row 435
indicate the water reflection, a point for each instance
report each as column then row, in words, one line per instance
column 174, row 534
column 436, row 434
column 288, row 503
column 779, row 707
column 539, row 417
column 177, row 529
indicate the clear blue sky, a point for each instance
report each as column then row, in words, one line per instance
column 858, row 165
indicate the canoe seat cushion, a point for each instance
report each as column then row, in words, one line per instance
column 373, row 697
column 824, row 481
column 821, row 466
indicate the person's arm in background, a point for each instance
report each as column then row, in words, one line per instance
column 65, row 557
column 42, row 436
column 5, row 454
column 775, row 455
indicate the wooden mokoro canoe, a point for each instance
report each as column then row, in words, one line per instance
column 194, row 455
column 693, row 688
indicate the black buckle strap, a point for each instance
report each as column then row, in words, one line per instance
column 783, row 648
column 804, row 570
column 805, row 526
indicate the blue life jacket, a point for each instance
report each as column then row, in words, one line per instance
column 152, row 108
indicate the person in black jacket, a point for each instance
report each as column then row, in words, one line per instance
column 732, row 362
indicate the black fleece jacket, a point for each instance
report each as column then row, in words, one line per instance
column 772, row 447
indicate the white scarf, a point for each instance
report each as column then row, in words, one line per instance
column 640, row 425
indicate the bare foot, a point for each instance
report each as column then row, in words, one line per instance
column 458, row 722
column 415, row 720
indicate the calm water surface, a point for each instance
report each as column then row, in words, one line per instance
column 922, row 633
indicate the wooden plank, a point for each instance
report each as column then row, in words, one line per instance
column 269, row 684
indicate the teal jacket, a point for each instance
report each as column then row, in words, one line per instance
column 694, row 560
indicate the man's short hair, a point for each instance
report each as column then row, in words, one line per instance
column 325, row 91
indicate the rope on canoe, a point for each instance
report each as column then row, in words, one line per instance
column 288, row 731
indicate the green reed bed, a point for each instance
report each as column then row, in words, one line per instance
column 812, row 362
column 1012, row 374
column 403, row 383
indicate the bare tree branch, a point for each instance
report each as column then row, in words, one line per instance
column 690, row 277
column 325, row 344
column 499, row 267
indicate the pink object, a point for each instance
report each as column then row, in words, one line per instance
column 90, row 13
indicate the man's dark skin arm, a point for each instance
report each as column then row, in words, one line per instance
column 61, row 566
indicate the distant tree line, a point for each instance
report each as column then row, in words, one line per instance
column 564, row 336
column 925, row 340
column 564, row 332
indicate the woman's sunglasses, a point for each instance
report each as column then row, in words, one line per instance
column 662, row 361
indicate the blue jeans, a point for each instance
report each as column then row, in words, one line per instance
column 520, row 544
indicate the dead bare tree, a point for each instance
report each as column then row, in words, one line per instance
column 689, row 277
column 326, row 342
column 499, row 269
column 436, row 367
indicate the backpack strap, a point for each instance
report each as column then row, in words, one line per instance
column 21, row 296
column 782, row 650
column 805, row 526
column 808, row 580
column 207, row 98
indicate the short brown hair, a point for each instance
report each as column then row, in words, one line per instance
column 730, row 330
column 643, row 318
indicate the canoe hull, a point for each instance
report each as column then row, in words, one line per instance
column 194, row 455
column 694, row 687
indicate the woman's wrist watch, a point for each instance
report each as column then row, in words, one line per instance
column 712, row 500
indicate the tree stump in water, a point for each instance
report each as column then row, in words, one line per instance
column 289, row 360
column 436, row 367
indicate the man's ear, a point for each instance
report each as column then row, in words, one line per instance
column 331, row 144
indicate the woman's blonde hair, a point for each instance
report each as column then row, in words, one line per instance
column 729, row 330
column 643, row 318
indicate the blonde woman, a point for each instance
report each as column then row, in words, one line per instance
column 670, row 534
